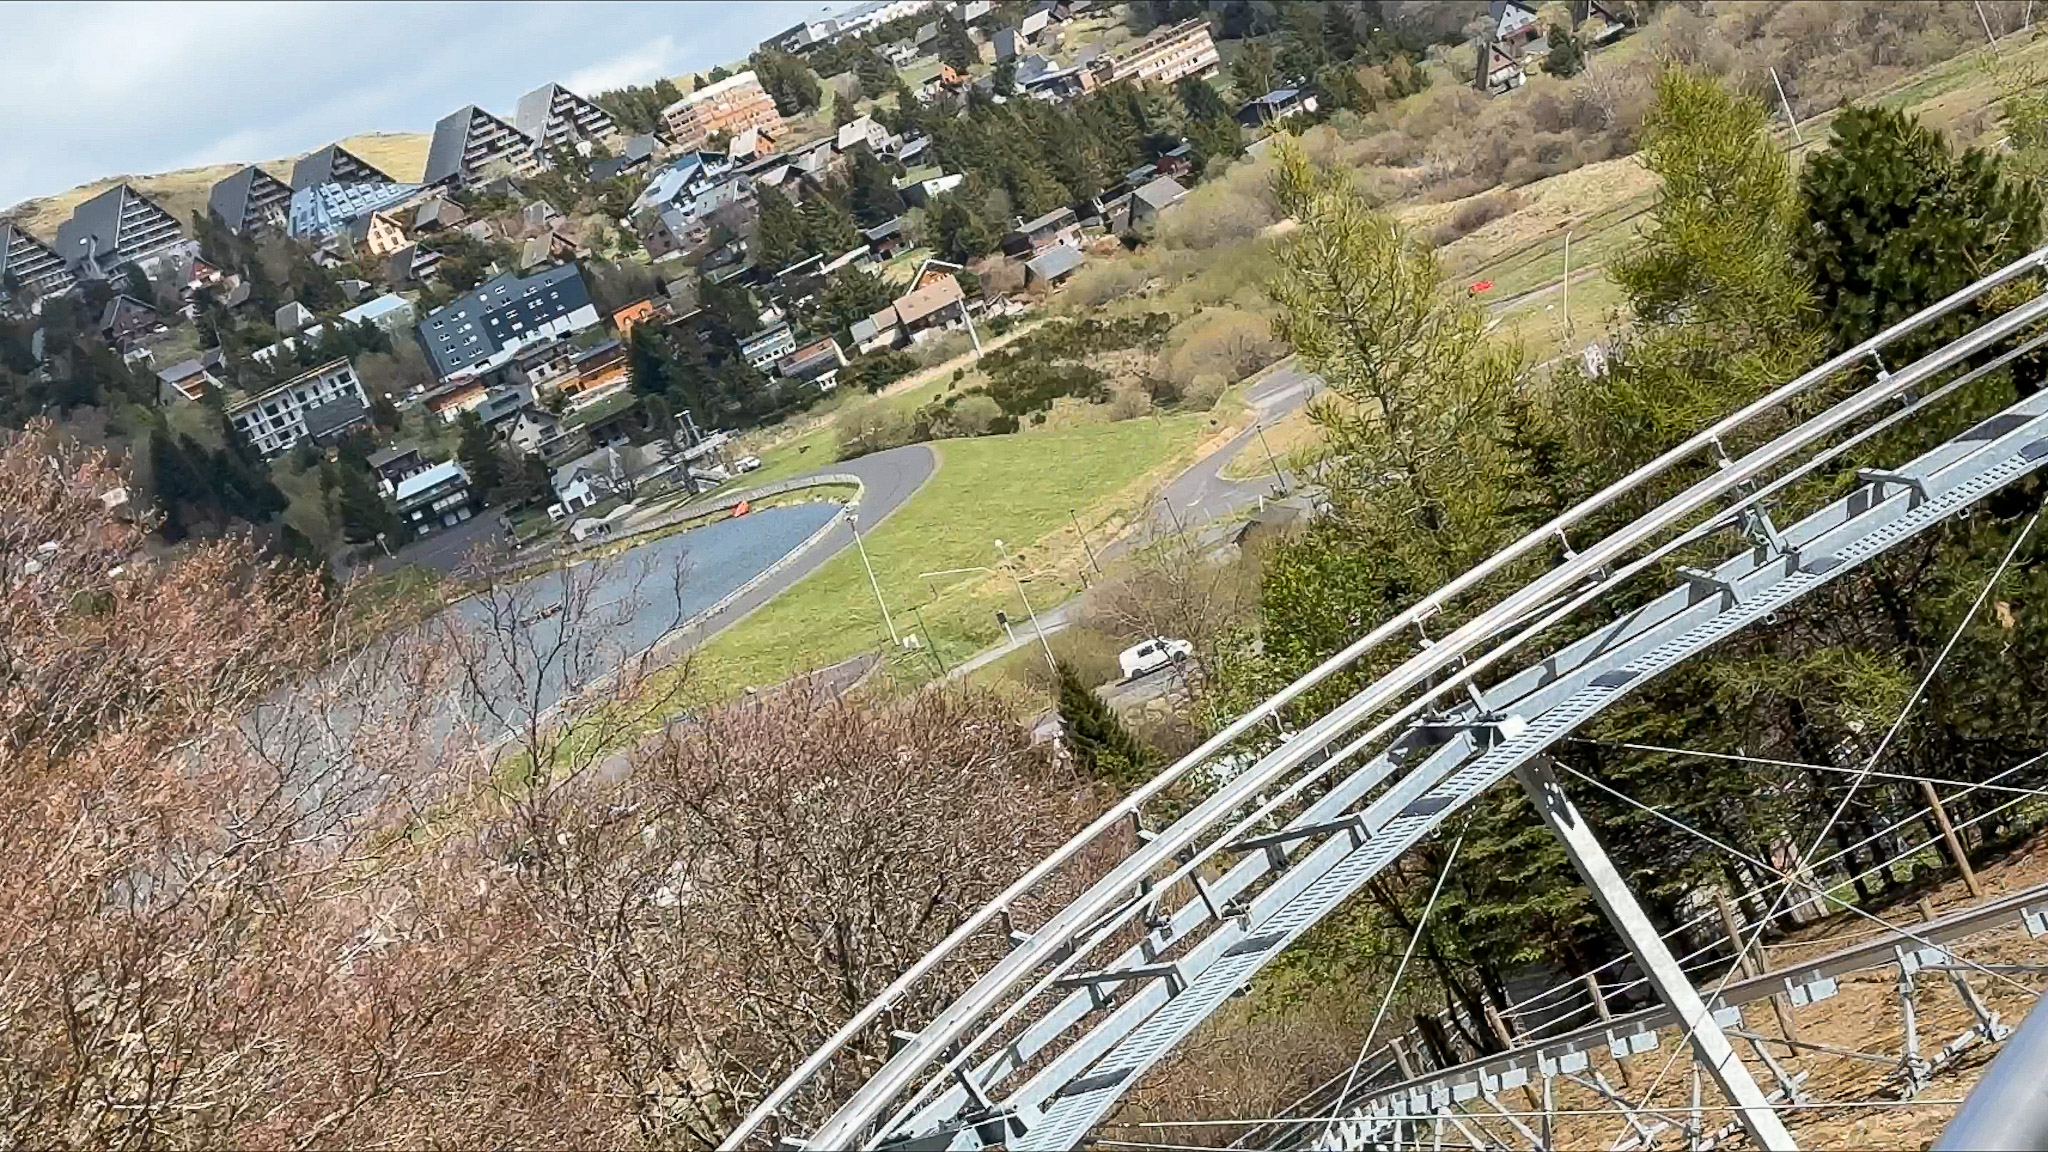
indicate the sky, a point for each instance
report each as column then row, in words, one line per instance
column 105, row 89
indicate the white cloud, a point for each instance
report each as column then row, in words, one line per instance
column 109, row 88
column 642, row 65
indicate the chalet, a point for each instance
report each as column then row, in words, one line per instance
column 391, row 312
column 864, row 130
column 540, row 433
column 1275, row 106
column 437, row 214
column 1497, row 70
column 885, row 239
column 595, row 373
column 188, row 378
column 1514, row 26
column 1057, row 227
column 334, row 420
column 936, row 302
column 1052, row 265
column 812, row 361
column 1154, row 198
column 293, row 317
column 125, row 318
column 397, row 462
column 635, row 153
column 379, row 233
column 625, row 318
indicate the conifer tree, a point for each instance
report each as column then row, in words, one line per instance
column 1103, row 747
column 782, row 234
column 478, row 457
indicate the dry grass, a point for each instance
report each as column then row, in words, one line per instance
column 399, row 155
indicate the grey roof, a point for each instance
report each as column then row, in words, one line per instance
column 463, row 332
column 35, row 264
column 341, row 412
column 385, row 456
column 1051, row 219
column 335, row 165
column 1162, row 193
column 887, row 228
column 180, row 370
column 1054, row 262
column 530, row 116
column 233, row 198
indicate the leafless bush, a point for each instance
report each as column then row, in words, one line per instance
column 1475, row 214
column 1223, row 342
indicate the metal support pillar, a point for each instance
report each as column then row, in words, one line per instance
column 1709, row 1043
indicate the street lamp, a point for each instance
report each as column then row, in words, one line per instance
column 1019, row 583
column 853, row 523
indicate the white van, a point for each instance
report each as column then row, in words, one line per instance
column 1152, row 655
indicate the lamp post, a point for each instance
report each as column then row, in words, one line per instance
column 1028, row 609
column 853, row 523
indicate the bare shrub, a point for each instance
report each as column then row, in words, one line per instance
column 1475, row 214
column 1223, row 342
column 1101, row 281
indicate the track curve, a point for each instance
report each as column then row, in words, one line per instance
column 1038, row 1049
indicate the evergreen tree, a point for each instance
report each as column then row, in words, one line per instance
column 174, row 484
column 788, row 80
column 730, row 313
column 360, row 508
column 849, row 294
column 1103, row 747
column 781, row 233
column 954, row 224
column 871, row 190
column 956, row 48
column 1567, row 57
column 1895, row 221
column 828, row 230
column 1212, row 128
column 1254, row 73
column 479, row 457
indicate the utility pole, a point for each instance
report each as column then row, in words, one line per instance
column 1085, row 546
column 854, row 524
column 1566, row 287
column 1279, row 477
column 1028, row 609
column 1790, row 119
column 1986, row 21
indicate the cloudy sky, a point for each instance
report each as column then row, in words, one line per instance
column 105, row 89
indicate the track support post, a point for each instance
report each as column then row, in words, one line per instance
column 1752, row 1109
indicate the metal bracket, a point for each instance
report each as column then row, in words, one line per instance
column 1175, row 982
column 1806, row 992
column 1700, row 578
column 1879, row 477
column 1275, row 843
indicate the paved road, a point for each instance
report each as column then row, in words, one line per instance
column 889, row 479
column 1197, row 495
column 1202, row 492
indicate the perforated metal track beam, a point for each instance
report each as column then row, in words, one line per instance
column 1459, row 757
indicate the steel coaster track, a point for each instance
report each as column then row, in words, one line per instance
column 1378, row 1110
column 947, row 1086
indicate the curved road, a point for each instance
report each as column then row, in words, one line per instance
column 889, row 479
column 1202, row 493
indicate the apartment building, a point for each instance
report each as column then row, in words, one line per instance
column 112, row 229
column 250, row 200
column 553, row 117
column 276, row 419
column 732, row 105
column 335, row 165
column 484, row 328
column 29, row 266
column 321, row 211
column 1166, row 55
column 470, row 143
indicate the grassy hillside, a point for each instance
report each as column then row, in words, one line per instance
column 403, row 155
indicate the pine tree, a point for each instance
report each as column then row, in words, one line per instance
column 956, row 48
column 479, row 458
column 781, row 233
column 360, row 508
column 954, row 224
column 828, row 229
column 1896, row 221
column 871, row 190
column 1567, row 57
column 1102, row 746
column 174, row 483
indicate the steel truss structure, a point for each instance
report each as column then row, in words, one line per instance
column 1050, row 1034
